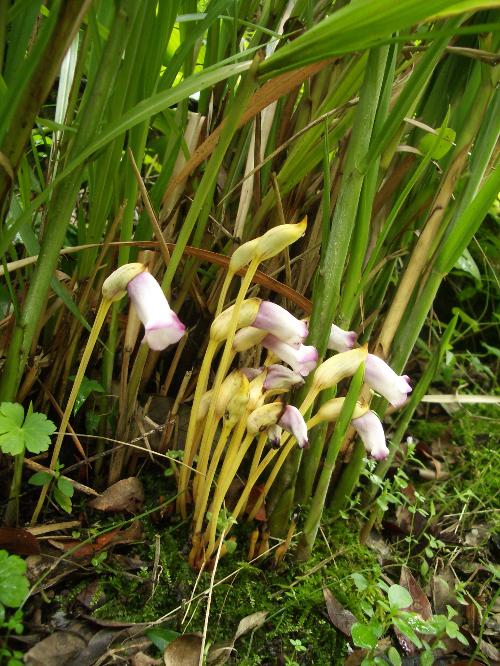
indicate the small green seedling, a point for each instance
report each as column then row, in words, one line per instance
column 62, row 491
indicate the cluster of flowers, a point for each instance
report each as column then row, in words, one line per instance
column 283, row 335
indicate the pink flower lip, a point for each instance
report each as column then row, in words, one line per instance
column 371, row 431
column 280, row 323
column 382, row 379
column 341, row 340
column 302, row 360
column 293, row 421
column 279, row 377
column 162, row 326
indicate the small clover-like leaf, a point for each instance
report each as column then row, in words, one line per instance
column 12, row 442
column 13, row 582
column 11, row 419
column 11, row 415
column 37, row 429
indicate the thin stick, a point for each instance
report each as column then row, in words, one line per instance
column 209, row 600
column 99, row 320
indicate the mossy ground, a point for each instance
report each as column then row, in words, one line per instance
column 293, row 593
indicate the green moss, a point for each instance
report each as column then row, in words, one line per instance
column 292, row 595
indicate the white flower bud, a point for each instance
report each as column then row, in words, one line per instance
column 336, row 368
column 248, row 311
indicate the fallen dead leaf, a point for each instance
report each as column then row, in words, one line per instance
column 220, row 652
column 419, row 605
column 341, row 618
column 126, row 495
column 92, row 596
column 18, row 541
column 60, row 648
column 143, row 659
column 488, row 650
column 183, row 651
column 113, row 538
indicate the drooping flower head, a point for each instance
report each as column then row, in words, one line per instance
column 280, row 378
column 279, row 322
column 293, row 421
column 341, row 340
column 382, row 379
column 162, row 326
column 371, row 431
column 302, row 360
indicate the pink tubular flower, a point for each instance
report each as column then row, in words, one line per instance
column 162, row 326
column 280, row 323
column 302, row 360
column 279, row 377
column 341, row 340
column 370, row 429
column 293, row 421
column 382, row 379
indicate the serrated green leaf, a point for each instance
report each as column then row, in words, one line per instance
column 11, row 436
column 11, row 416
column 399, row 597
column 12, row 442
column 65, row 487
column 40, row 479
column 37, row 429
column 13, row 582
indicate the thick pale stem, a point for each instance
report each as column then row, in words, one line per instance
column 227, row 356
column 222, row 487
column 191, row 443
column 285, row 450
column 94, row 333
column 205, row 483
column 223, row 292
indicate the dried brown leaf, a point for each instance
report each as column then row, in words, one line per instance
column 18, row 541
column 59, row 649
column 341, row 618
column 183, row 651
column 126, row 495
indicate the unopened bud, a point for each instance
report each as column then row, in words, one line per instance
column 243, row 255
column 205, row 402
column 256, row 391
column 330, row 410
column 248, row 337
column 278, row 238
column 336, row 368
column 114, row 286
column 233, row 397
column 221, row 324
column 263, row 417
